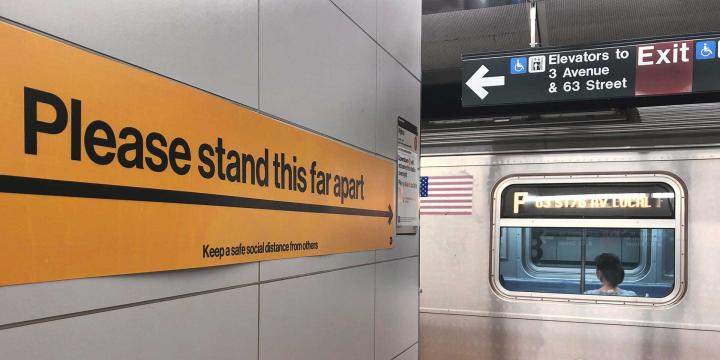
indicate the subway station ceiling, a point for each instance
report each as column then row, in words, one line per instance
column 455, row 27
column 448, row 34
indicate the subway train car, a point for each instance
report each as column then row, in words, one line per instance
column 517, row 219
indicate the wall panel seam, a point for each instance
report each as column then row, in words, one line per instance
column 406, row 350
column 120, row 307
column 373, row 39
column 181, row 296
column 399, row 63
column 335, row 269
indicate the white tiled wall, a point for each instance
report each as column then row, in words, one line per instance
column 396, row 320
column 343, row 68
column 278, row 269
column 398, row 95
column 210, row 326
column 399, row 31
column 35, row 301
column 317, row 69
column 208, row 44
column 326, row 316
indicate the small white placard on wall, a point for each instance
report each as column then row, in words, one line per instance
column 408, row 177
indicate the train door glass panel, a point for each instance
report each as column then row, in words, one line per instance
column 550, row 235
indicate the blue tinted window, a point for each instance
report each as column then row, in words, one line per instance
column 566, row 260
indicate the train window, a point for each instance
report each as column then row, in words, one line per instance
column 584, row 238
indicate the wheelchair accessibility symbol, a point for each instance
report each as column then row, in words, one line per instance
column 518, row 65
column 705, row 50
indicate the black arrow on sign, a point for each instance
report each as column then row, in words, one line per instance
column 35, row 186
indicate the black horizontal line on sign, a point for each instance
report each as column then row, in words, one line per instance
column 35, row 186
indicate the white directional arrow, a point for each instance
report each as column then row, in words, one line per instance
column 478, row 82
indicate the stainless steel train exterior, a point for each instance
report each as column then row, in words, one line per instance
column 469, row 312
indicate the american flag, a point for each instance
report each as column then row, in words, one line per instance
column 446, row 195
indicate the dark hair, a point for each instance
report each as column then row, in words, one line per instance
column 611, row 268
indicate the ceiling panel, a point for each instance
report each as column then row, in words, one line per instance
column 447, row 35
column 570, row 22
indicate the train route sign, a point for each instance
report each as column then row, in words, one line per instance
column 646, row 68
column 108, row 169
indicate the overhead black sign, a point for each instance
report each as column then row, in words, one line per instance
column 631, row 69
column 589, row 201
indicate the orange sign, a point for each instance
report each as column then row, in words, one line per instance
column 108, row 169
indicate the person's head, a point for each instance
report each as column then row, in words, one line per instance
column 609, row 269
